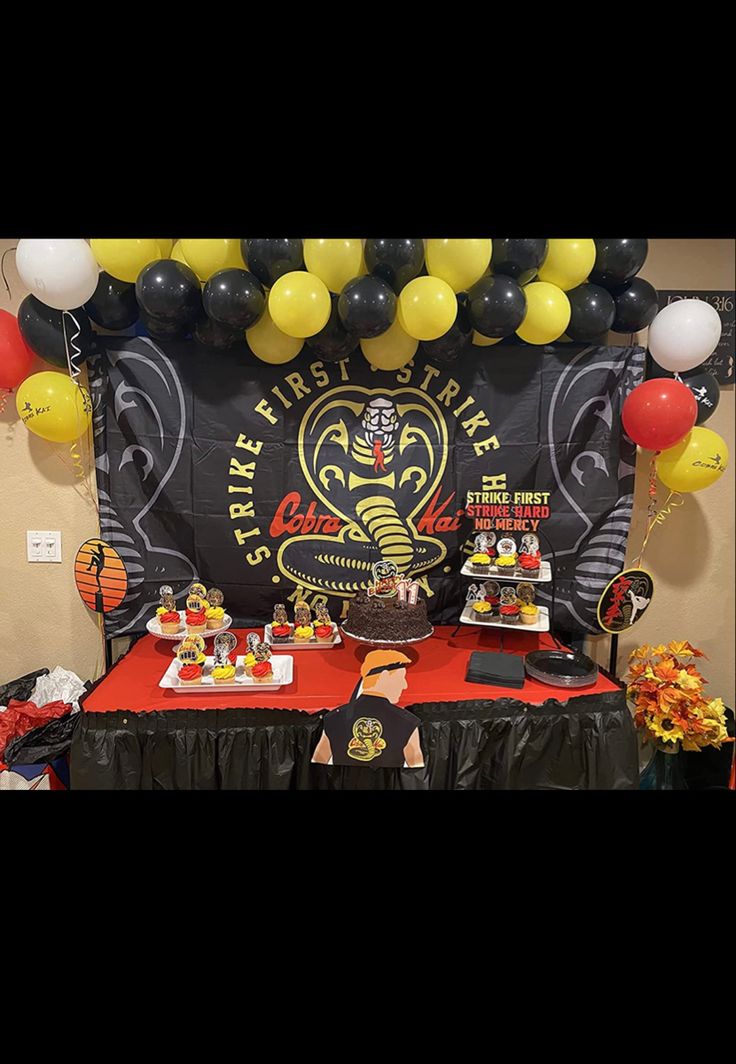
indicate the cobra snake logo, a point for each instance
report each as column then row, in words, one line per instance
column 366, row 742
column 373, row 457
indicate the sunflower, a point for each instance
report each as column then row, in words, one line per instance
column 664, row 728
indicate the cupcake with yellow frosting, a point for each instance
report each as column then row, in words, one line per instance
column 215, row 616
column 223, row 673
column 482, row 611
column 529, row 613
column 506, row 563
column 248, row 662
column 303, row 633
column 480, row 562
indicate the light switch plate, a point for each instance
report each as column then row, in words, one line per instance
column 43, row 546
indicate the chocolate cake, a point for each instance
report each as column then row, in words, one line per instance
column 386, row 619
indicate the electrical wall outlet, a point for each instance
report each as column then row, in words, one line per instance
column 43, row 546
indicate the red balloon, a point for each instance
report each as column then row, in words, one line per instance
column 659, row 413
column 15, row 356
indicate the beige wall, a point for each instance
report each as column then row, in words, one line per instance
column 693, row 601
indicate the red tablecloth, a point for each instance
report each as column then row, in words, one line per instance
column 324, row 679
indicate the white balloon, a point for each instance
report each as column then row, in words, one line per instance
column 63, row 274
column 683, row 334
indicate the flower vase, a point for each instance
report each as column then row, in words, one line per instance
column 664, row 771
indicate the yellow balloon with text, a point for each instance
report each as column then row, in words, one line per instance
column 392, row 349
column 427, row 308
column 695, row 462
column 165, row 247
column 270, row 344
column 299, row 304
column 334, row 261
column 547, row 313
column 458, row 262
column 53, row 407
column 479, row 340
column 568, row 263
column 208, row 256
column 124, row 259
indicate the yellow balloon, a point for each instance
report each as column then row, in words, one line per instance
column 165, row 247
column 391, row 350
column 178, row 255
column 335, row 262
column 568, row 263
column 299, row 304
column 427, row 308
column 270, row 344
column 695, row 462
column 547, row 313
column 206, row 257
column 53, row 407
column 458, row 262
column 484, row 341
column 124, row 259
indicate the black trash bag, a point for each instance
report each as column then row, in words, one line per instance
column 21, row 688
column 43, row 744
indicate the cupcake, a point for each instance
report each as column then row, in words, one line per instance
column 196, row 621
column 482, row 611
column 325, row 633
column 509, row 614
column 529, row 613
column 248, row 662
column 530, row 563
column 170, row 622
column 223, row 673
column 160, row 610
column 480, row 562
column 494, row 602
column 262, row 672
column 303, row 633
column 215, row 616
column 280, row 633
column 506, row 563
column 190, row 675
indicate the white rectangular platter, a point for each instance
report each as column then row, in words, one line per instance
column 283, row 674
column 545, row 574
column 542, row 625
column 313, row 644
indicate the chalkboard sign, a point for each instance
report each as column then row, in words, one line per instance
column 721, row 362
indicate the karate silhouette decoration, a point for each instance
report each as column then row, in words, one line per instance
column 371, row 729
column 100, row 575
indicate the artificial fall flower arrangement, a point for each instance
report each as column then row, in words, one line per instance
column 668, row 700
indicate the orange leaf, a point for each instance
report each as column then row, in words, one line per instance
column 666, row 670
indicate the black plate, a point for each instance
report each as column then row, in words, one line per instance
column 561, row 668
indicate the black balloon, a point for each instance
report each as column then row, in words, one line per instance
column 617, row 260
column 271, row 259
column 447, row 348
column 592, row 311
column 113, row 305
column 636, row 306
column 395, row 261
column 211, row 333
column 234, row 298
column 333, row 342
column 367, row 307
column 43, row 330
column 162, row 330
column 169, row 292
column 519, row 259
column 496, row 306
column 701, row 383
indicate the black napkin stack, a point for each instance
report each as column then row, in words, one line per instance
column 499, row 670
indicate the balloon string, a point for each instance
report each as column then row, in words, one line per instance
column 2, row 269
column 673, row 500
column 72, row 360
column 4, row 398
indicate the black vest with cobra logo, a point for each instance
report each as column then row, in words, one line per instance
column 369, row 731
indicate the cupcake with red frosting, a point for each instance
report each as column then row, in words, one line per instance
column 196, row 621
column 262, row 672
column 509, row 613
column 170, row 622
column 530, row 563
column 190, row 674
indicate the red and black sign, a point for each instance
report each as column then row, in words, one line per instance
column 625, row 600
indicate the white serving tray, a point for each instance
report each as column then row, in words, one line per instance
column 545, row 575
column 155, row 628
column 283, row 674
column 313, row 644
column 542, row 625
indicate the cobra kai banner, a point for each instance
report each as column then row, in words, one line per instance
column 281, row 482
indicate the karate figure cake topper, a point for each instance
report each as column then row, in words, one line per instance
column 507, row 546
column 215, row 597
column 529, row 543
column 225, row 643
column 508, row 595
column 525, row 593
column 198, row 589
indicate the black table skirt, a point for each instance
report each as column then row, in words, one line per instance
column 586, row 743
